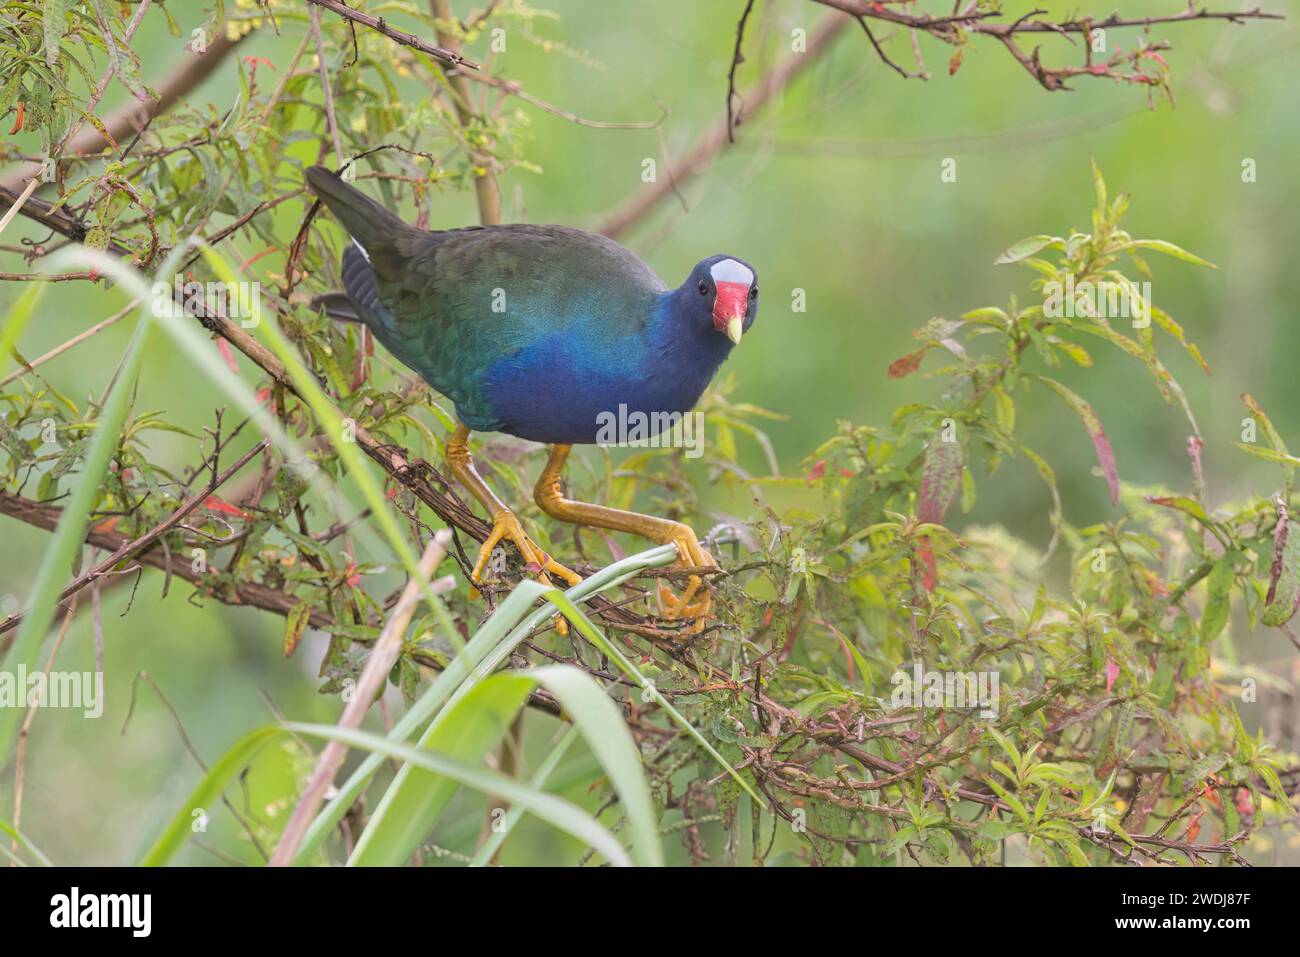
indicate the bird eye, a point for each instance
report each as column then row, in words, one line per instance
column 703, row 287
column 753, row 292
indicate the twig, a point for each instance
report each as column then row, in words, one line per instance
column 737, row 58
column 21, row 757
column 17, row 205
column 406, row 39
column 86, row 276
column 884, row 58
column 74, row 341
column 314, row 18
column 250, row 594
column 956, row 28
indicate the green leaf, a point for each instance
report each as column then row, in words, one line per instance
column 1218, row 590
column 294, row 624
column 1169, row 249
column 1027, row 247
column 55, row 21
column 1100, row 443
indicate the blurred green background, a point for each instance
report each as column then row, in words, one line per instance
column 835, row 190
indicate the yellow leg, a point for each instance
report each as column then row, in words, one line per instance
column 690, row 553
column 504, row 523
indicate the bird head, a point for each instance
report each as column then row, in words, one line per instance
column 724, row 291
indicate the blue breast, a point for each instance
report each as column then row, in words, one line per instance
column 563, row 388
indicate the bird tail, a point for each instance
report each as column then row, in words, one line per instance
column 337, row 305
column 367, row 221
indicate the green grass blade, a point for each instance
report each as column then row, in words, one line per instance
column 602, row 724
column 474, row 726
column 208, row 791
column 514, row 815
column 69, row 536
column 32, row 849
column 562, row 814
column 20, row 313
column 486, row 650
column 414, row 802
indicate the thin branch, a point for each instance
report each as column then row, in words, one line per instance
column 737, row 58
column 957, row 27
column 20, row 761
column 132, row 548
column 884, row 58
column 406, row 39
column 18, row 203
column 326, row 88
column 249, row 594
column 74, row 341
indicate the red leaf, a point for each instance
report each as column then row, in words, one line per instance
column 18, row 122
column 1112, row 672
column 907, row 364
column 352, row 577
column 214, row 504
column 817, row 471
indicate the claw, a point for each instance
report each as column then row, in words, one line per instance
column 688, row 606
column 506, row 526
